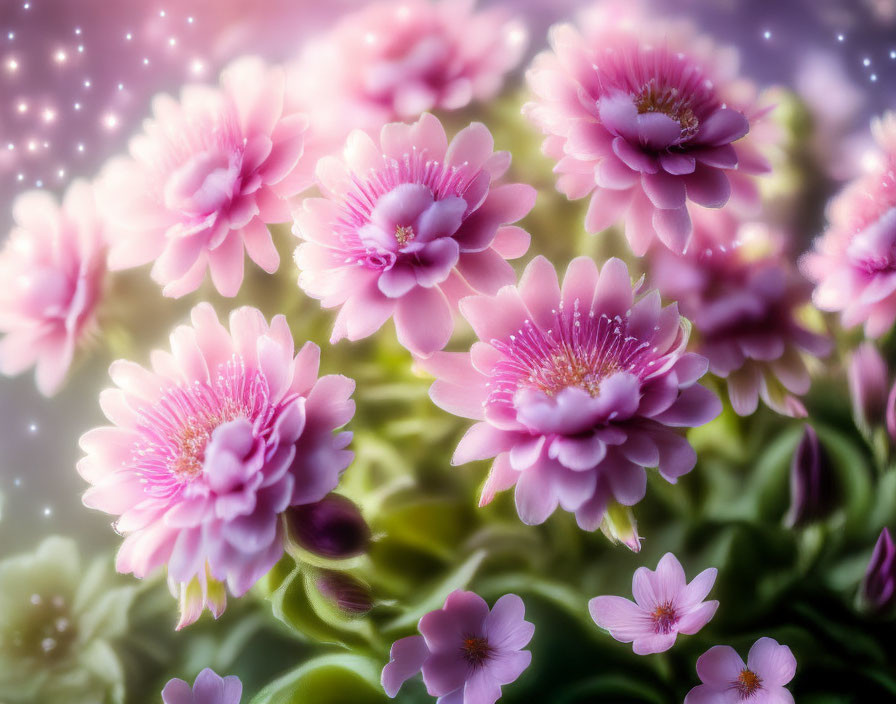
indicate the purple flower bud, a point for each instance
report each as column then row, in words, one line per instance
column 349, row 594
column 813, row 484
column 332, row 527
column 867, row 375
column 891, row 414
column 878, row 591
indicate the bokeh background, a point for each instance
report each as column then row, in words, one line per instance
column 76, row 80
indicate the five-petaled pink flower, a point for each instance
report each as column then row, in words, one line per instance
column 465, row 652
column 52, row 268
column 647, row 118
column 209, row 448
column 204, row 178
column 665, row 605
column 854, row 262
column 408, row 226
column 744, row 298
column 576, row 390
column 728, row 680
column 399, row 58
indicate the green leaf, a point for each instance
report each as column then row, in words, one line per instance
column 329, row 679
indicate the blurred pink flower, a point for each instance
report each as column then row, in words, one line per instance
column 210, row 447
column 854, row 261
column 665, row 605
column 743, row 298
column 868, row 385
column 466, row 652
column 726, row 678
column 647, row 117
column 399, row 58
column 203, row 178
column 408, row 226
column 52, row 267
column 576, row 390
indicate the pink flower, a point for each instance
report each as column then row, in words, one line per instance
column 400, row 58
column 665, row 605
column 744, row 299
column 727, row 680
column 209, row 688
column 52, row 268
column 208, row 448
column 854, row 261
column 576, row 390
column 466, row 652
column 204, row 177
column 408, row 226
column 647, row 118
column 868, row 383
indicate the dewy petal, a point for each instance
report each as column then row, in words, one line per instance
column 405, row 660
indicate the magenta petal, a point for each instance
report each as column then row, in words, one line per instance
column 657, row 130
column 664, row 190
column 708, row 186
column 619, row 115
column 423, row 320
column 722, row 157
column 634, row 157
column 401, row 206
column 696, row 405
column 722, row 127
column 506, row 667
column 405, row 660
column 677, row 164
column 535, row 498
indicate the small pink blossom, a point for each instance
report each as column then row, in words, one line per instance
column 575, row 389
column 465, row 652
column 204, row 178
column 209, row 688
column 210, row 447
column 399, row 58
column 52, row 268
column 728, row 680
column 854, row 262
column 665, row 605
column 646, row 117
column 744, row 298
column 407, row 227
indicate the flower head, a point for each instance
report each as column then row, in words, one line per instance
column 726, row 678
column 665, row 605
column 52, row 268
column 868, row 381
column 647, row 118
column 744, row 299
column 209, row 688
column 878, row 590
column 210, row 447
column 399, row 58
column 576, row 390
column 203, row 178
column 59, row 624
column 408, row 226
column 854, row 262
column 466, row 652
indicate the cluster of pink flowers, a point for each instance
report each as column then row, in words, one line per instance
column 649, row 119
column 575, row 390
column 208, row 448
column 854, row 262
column 744, row 297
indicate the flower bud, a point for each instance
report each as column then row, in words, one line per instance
column 891, row 415
column 620, row 526
column 813, row 483
column 867, row 376
column 878, row 590
column 351, row 595
column 332, row 527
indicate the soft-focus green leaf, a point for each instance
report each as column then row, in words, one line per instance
column 330, row 679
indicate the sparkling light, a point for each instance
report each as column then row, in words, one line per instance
column 841, row 38
column 81, row 147
column 866, row 61
column 87, row 83
column 197, row 67
column 48, row 511
column 22, row 107
column 60, row 57
column 12, row 65
column 129, row 36
column 32, row 428
column 110, row 120
column 767, row 34
column 77, row 106
column 48, row 115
